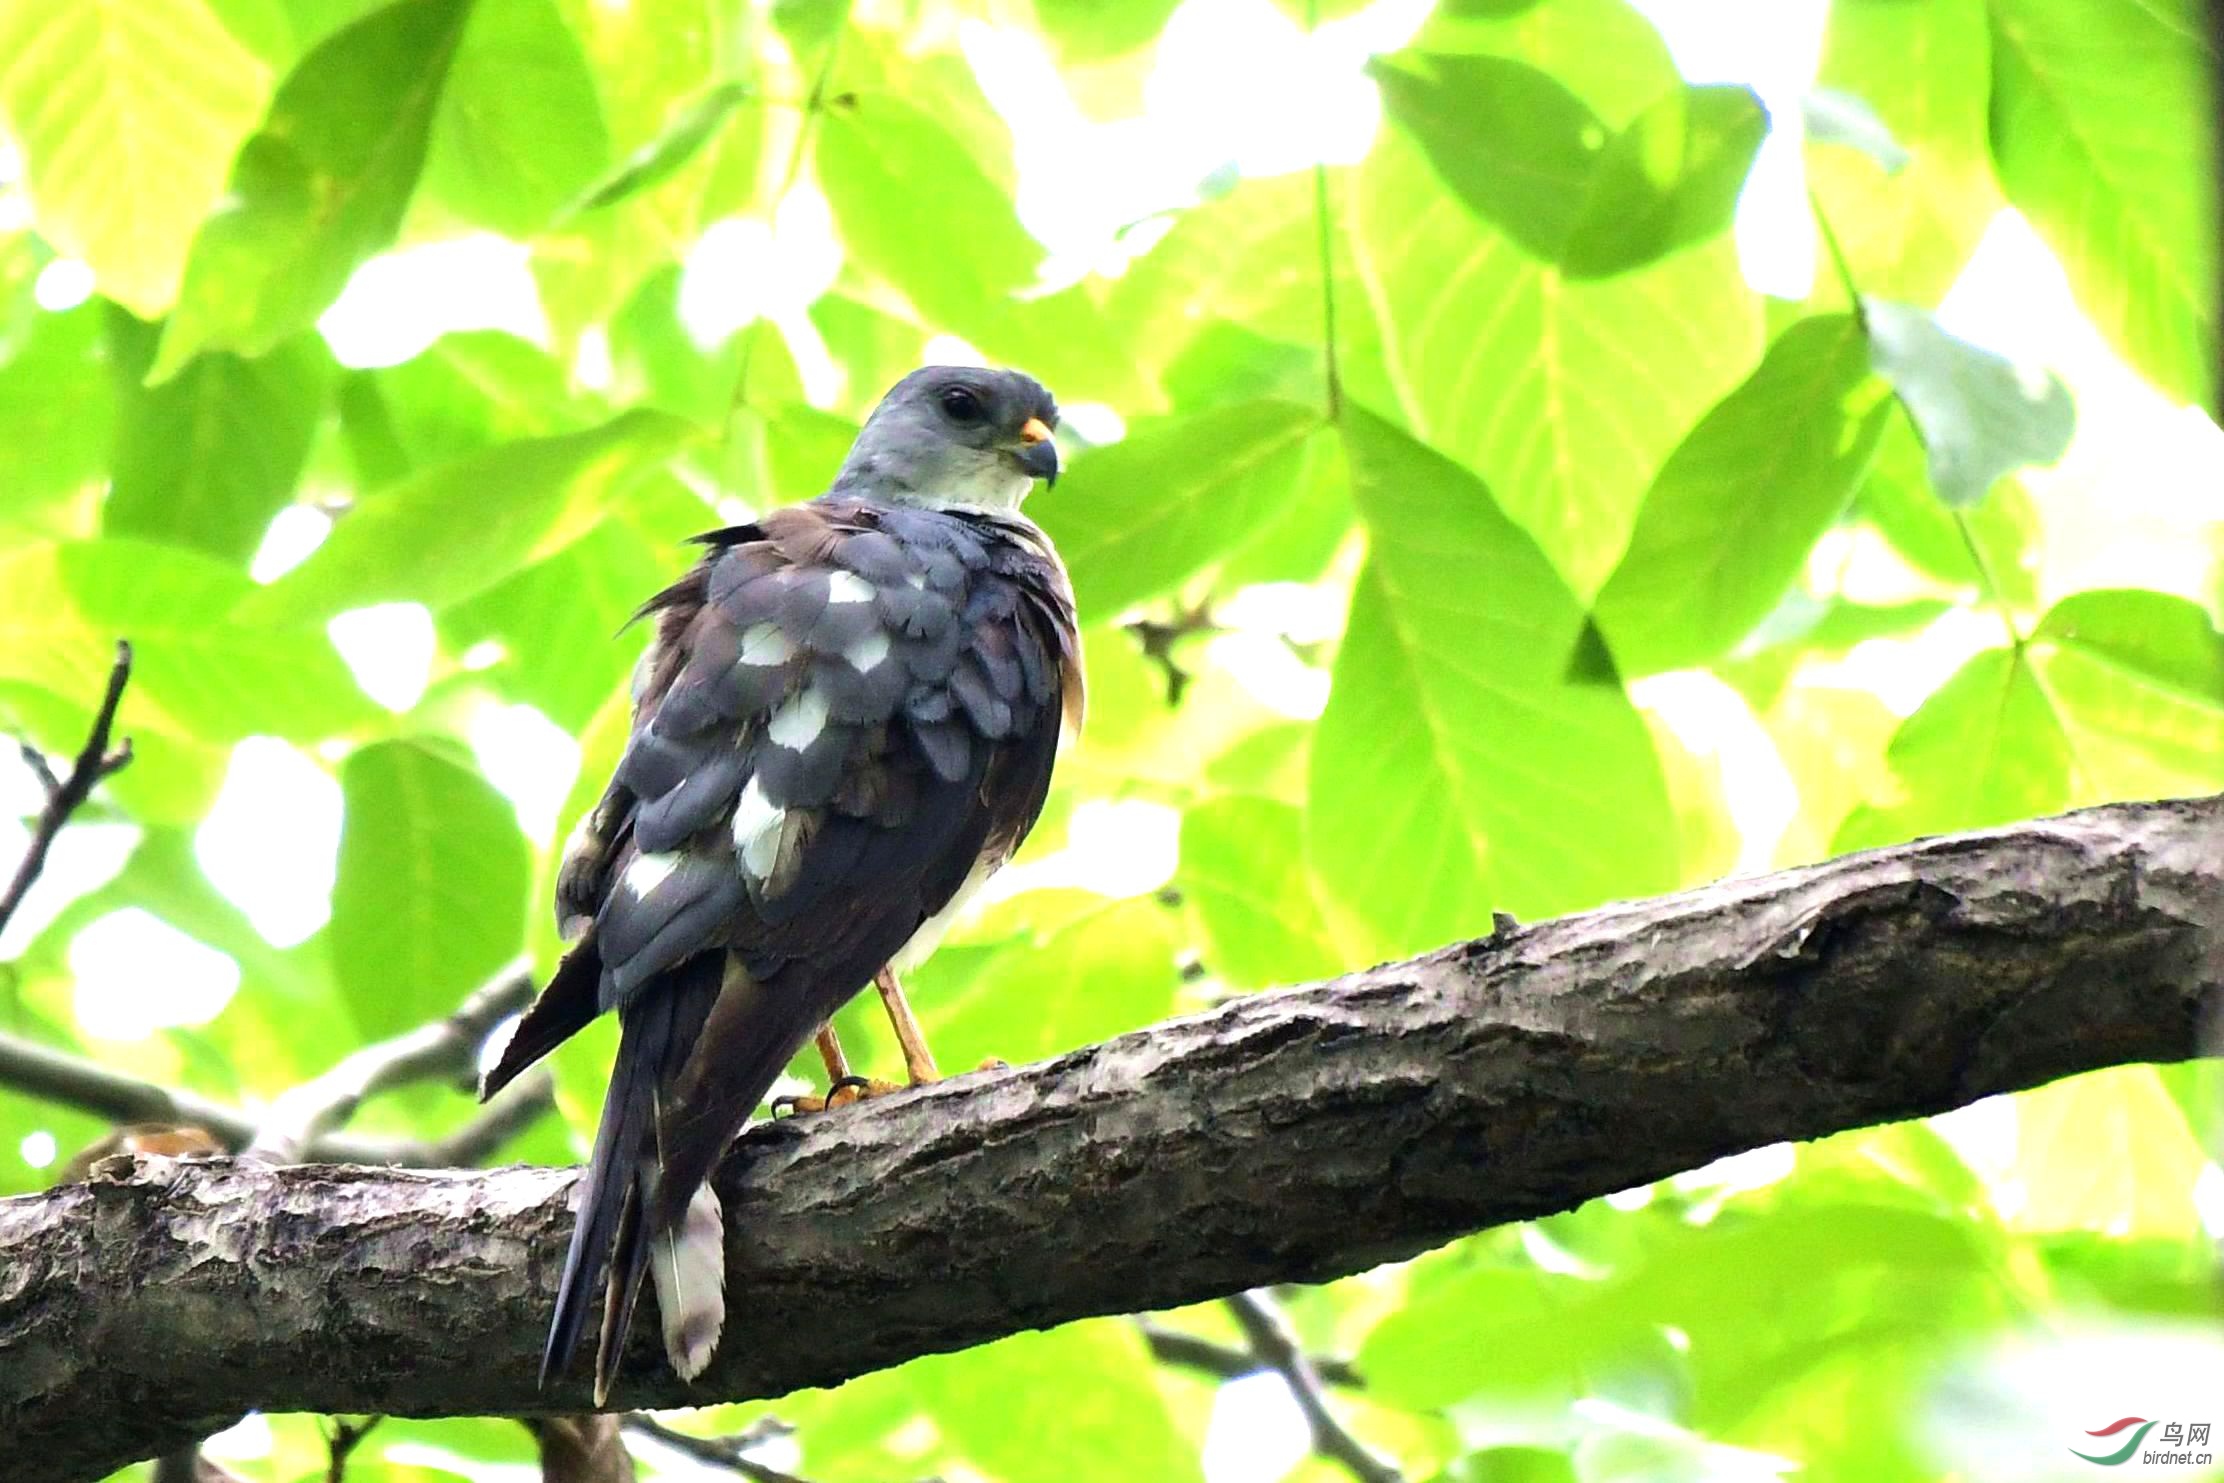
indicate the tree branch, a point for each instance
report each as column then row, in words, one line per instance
column 429, row 1052
column 445, row 1050
column 1286, row 1137
column 1268, row 1334
column 64, row 796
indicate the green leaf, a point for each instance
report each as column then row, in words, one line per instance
column 203, row 669
column 2092, row 110
column 321, row 187
column 657, row 161
column 1986, row 749
column 1980, row 418
column 1906, row 230
column 1521, row 1335
column 1108, row 970
column 1092, row 30
column 57, row 405
column 1243, row 871
column 519, row 133
column 1459, row 768
column 459, row 527
column 915, row 207
column 1527, row 155
column 1514, row 145
column 992, row 1406
column 1134, row 519
column 1728, row 524
column 429, row 899
column 465, row 393
column 128, row 113
column 208, row 457
column 2139, row 680
column 1669, row 180
column 1551, row 389
column 558, row 620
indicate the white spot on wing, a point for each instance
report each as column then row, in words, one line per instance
column 799, row 720
column 865, row 655
column 647, row 872
column 765, row 644
column 757, row 827
column 847, row 587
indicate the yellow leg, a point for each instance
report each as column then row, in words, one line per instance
column 830, row 1051
column 918, row 1060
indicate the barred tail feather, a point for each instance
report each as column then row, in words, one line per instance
column 689, row 1266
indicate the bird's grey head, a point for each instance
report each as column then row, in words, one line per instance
column 956, row 435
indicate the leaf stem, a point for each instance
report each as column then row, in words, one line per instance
column 1838, row 260
column 814, row 104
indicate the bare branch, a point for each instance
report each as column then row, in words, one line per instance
column 580, row 1449
column 65, row 796
column 446, row 1050
column 73, row 1081
column 730, row 1453
column 1287, row 1137
column 1173, row 1346
column 1268, row 1334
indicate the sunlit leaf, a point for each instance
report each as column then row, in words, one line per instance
column 1981, row 417
column 992, row 1406
column 2079, row 92
column 1134, row 519
column 320, row 187
column 1107, row 970
column 430, row 896
column 1727, row 524
column 461, row 526
column 1920, row 70
column 206, row 458
column 519, row 133
column 661, row 158
column 2139, row 681
column 1669, row 180
column 128, row 113
column 2106, row 1152
column 1553, row 390
column 203, row 667
column 1460, row 767
column 1243, row 870
column 56, row 407
column 1986, row 749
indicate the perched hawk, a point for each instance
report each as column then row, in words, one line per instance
column 846, row 722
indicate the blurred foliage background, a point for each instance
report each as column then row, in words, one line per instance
column 1836, row 370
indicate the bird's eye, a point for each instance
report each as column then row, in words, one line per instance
column 963, row 405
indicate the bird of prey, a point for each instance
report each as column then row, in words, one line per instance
column 845, row 723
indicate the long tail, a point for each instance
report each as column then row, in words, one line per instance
column 656, row 1029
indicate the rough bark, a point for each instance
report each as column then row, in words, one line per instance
column 1293, row 1136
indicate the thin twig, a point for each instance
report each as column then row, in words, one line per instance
column 730, row 1452
column 445, row 1050
column 1269, row 1336
column 1172, row 1346
column 72, row 1081
column 341, row 1441
column 66, row 795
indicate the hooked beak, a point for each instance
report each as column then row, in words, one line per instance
column 1038, row 453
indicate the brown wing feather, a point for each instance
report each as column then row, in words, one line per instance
column 848, row 705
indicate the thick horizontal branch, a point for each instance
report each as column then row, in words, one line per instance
column 1293, row 1136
